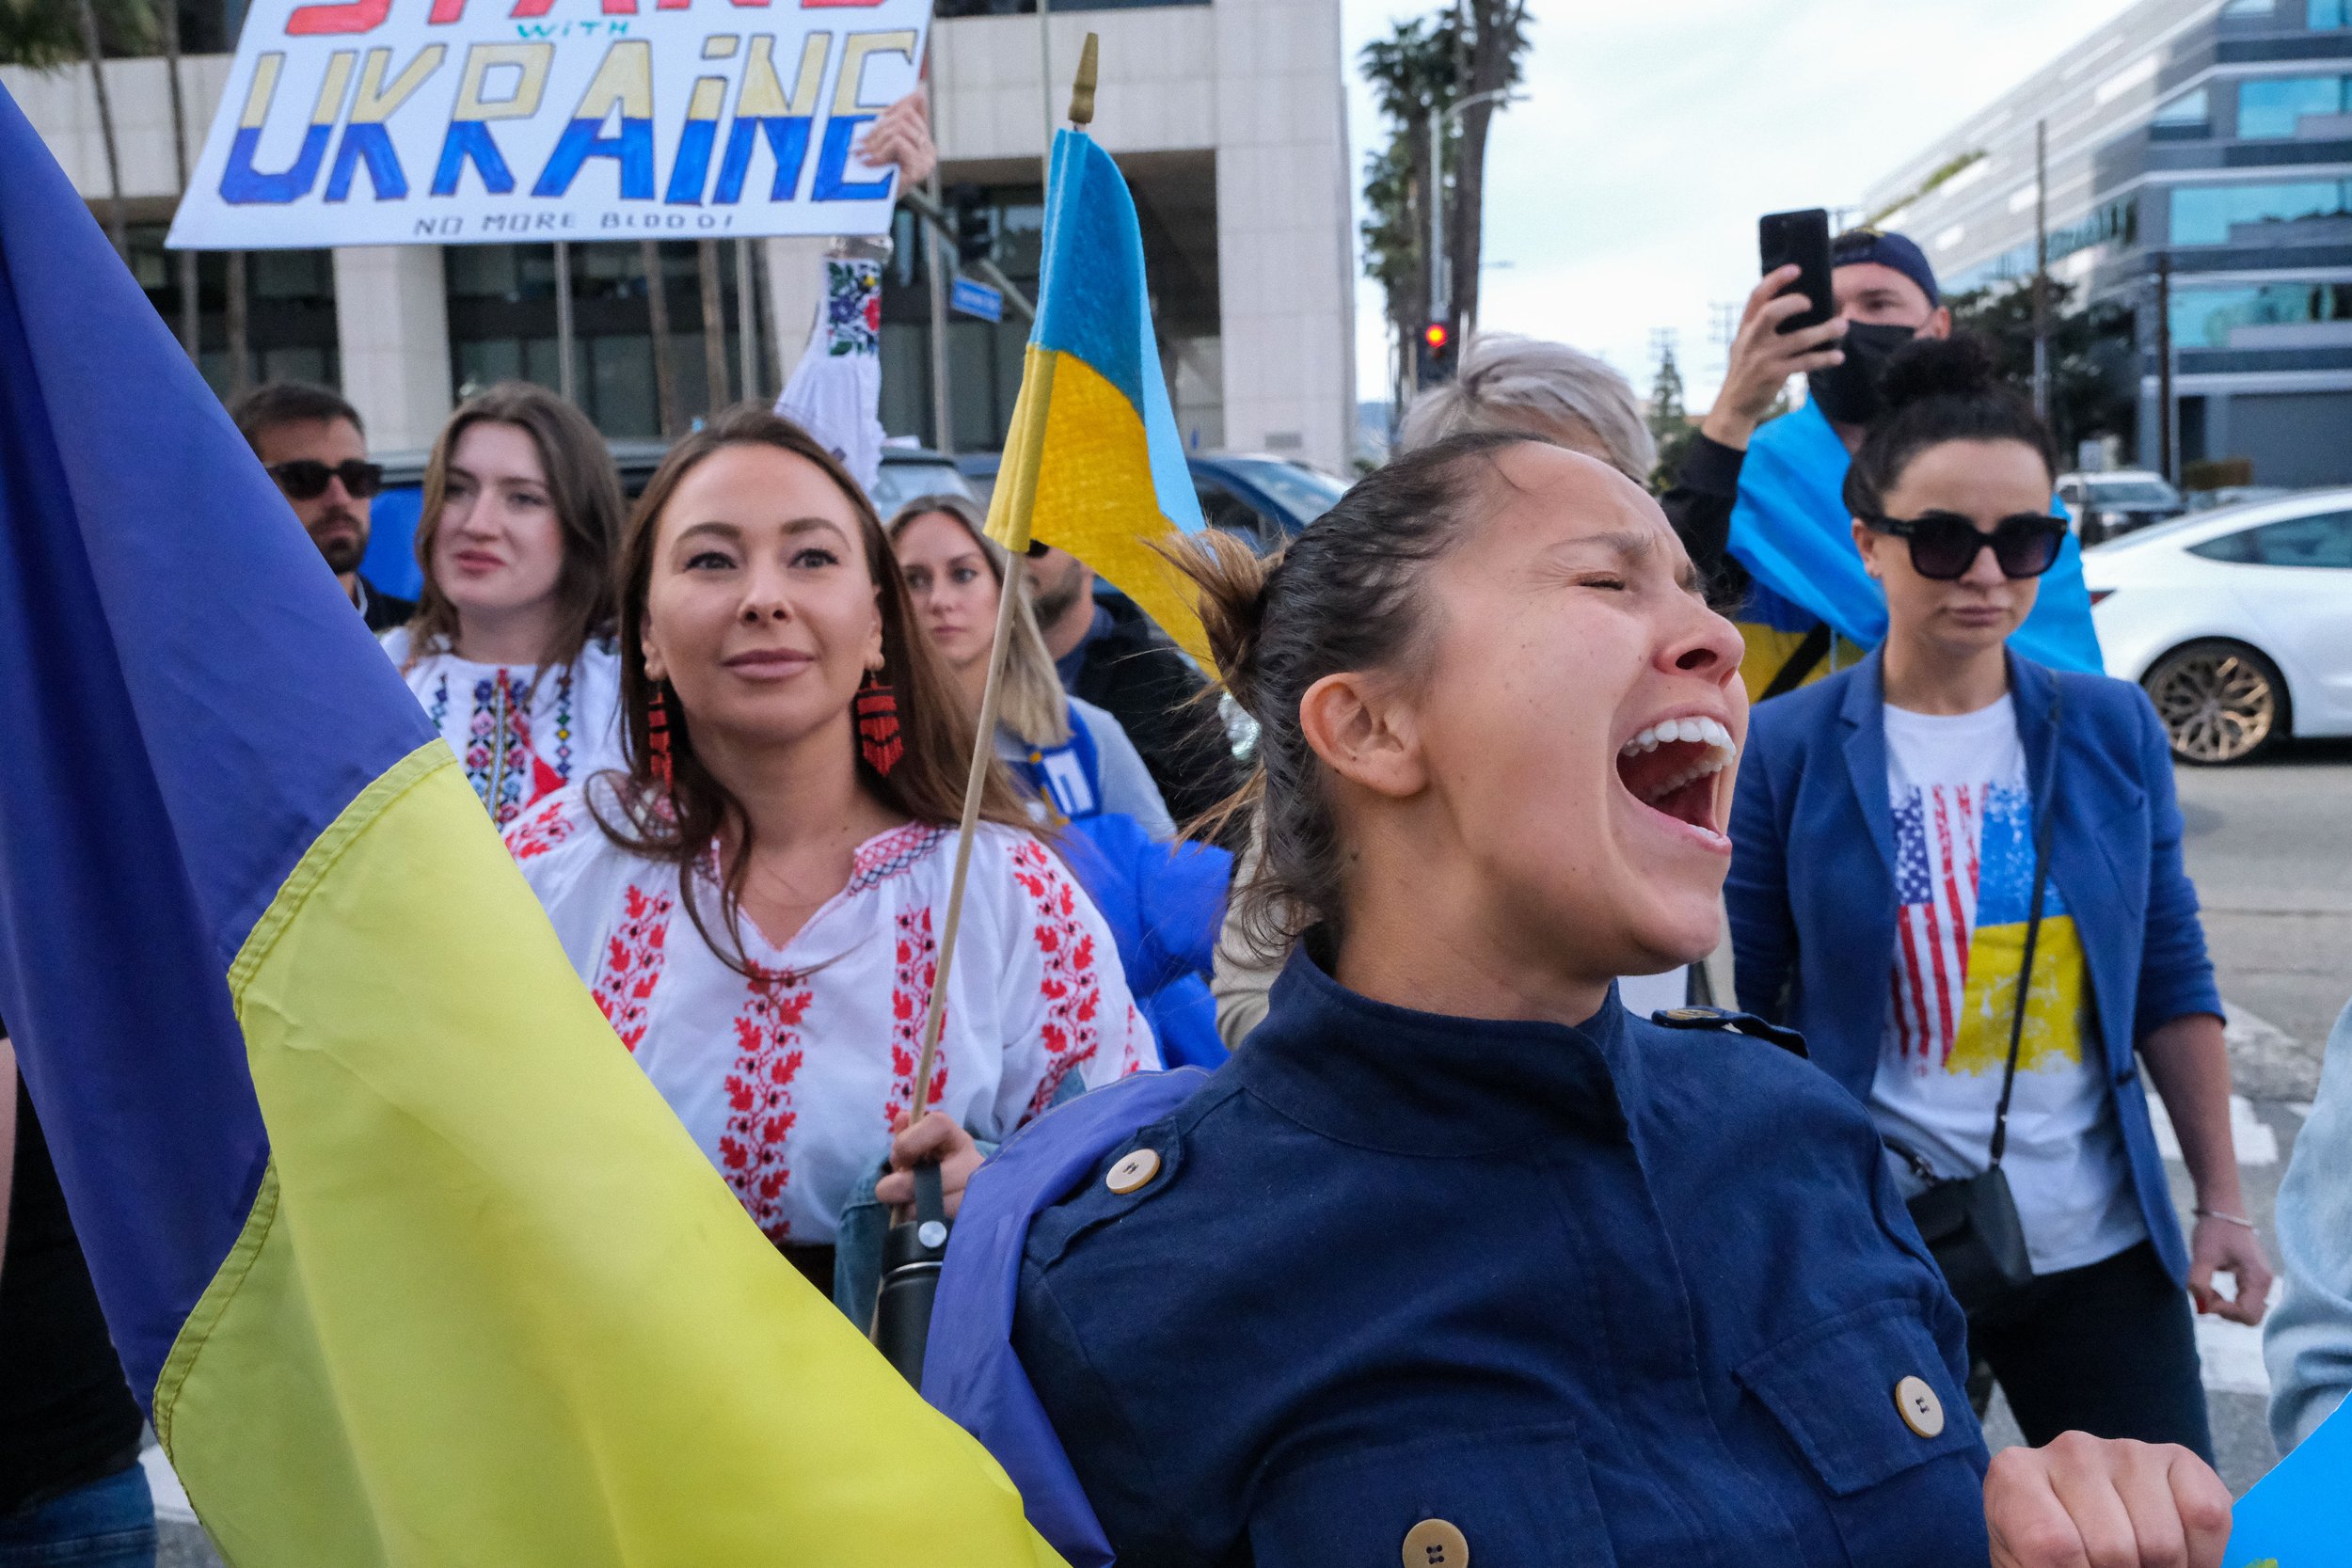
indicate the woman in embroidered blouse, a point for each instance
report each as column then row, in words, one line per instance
column 757, row 900
column 511, row 650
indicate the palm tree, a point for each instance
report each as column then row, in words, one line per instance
column 45, row 35
column 657, row 322
column 106, row 128
column 189, row 310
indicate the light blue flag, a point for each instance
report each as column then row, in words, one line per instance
column 2300, row 1515
column 1791, row 530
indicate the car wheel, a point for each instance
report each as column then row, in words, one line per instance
column 2220, row 702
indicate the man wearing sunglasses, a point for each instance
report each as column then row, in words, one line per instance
column 1757, row 504
column 313, row 445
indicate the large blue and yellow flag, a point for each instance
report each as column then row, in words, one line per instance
column 409, row 1261
column 1093, row 463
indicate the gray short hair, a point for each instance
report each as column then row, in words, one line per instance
column 1505, row 378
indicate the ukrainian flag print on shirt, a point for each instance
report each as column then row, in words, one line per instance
column 1964, row 820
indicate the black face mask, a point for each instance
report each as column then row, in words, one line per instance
column 1849, row 392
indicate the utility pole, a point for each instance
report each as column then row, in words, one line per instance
column 1437, row 213
column 1438, row 121
column 2041, row 269
column 1722, row 330
column 2164, row 365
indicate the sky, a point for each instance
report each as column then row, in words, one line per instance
column 1622, row 196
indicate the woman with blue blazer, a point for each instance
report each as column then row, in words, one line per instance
column 1908, row 830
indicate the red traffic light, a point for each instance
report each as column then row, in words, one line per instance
column 1437, row 336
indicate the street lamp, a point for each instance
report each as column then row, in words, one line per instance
column 1438, row 119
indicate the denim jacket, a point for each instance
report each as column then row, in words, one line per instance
column 2307, row 1341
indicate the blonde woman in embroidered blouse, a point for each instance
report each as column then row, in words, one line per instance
column 760, row 918
column 511, row 650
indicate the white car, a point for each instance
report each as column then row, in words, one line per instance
column 2238, row 623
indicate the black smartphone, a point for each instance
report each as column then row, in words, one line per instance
column 1801, row 237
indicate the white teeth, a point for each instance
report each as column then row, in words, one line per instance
column 1720, row 751
column 1697, row 728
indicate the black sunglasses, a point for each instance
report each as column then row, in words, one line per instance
column 1944, row 545
column 305, row 478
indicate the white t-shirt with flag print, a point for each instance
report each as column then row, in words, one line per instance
column 1963, row 816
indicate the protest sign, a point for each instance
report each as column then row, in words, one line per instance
column 351, row 122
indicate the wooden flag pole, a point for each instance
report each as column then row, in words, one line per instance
column 991, row 699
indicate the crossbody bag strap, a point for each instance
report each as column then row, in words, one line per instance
column 2045, row 816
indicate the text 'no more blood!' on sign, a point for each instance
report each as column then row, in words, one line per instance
column 469, row 122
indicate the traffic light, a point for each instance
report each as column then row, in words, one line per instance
column 975, row 224
column 1435, row 362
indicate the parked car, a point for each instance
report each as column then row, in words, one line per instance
column 1268, row 501
column 392, row 560
column 2235, row 495
column 2238, row 623
column 2119, row 502
column 1265, row 500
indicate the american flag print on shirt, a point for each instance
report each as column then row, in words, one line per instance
column 1963, row 886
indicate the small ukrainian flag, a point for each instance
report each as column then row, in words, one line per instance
column 1093, row 463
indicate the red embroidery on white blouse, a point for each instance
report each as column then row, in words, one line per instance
column 539, row 832
column 632, row 963
column 751, row 1151
column 917, row 971
column 1072, row 990
column 893, row 854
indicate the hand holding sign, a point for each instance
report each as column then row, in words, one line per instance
column 902, row 136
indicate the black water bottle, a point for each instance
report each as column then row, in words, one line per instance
column 911, row 1258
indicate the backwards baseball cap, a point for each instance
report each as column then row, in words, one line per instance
column 1888, row 249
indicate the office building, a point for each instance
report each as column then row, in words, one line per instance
column 2207, row 140
column 1229, row 120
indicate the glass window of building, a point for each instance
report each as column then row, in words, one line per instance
column 2207, row 317
column 289, row 318
column 2273, row 107
column 503, row 319
column 2240, row 8
column 2190, row 108
column 2208, row 215
column 2328, row 14
column 984, row 358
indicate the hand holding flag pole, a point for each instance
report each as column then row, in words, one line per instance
column 912, row 1252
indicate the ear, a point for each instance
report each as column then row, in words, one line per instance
column 1867, row 540
column 1939, row 325
column 1363, row 730
column 874, row 659
column 657, row 666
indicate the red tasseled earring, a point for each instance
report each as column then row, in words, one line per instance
column 657, row 740
column 877, row 709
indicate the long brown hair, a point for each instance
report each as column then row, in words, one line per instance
column 583, row 485
column 686, row 824
column 1030, row 700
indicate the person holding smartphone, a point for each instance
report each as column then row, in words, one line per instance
column 1756, row 502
